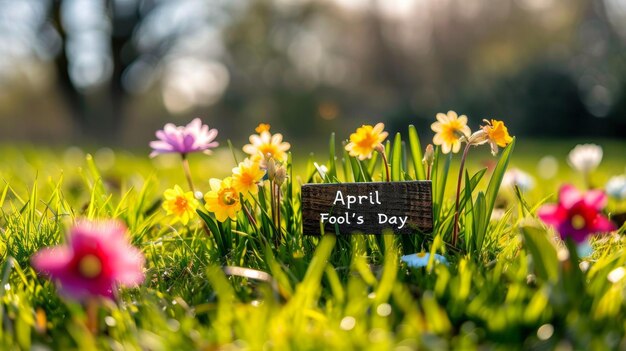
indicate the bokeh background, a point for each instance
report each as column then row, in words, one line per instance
column 112, row 72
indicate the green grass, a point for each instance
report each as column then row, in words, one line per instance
column 506, row 287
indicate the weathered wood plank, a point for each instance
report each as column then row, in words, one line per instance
column 367, row 208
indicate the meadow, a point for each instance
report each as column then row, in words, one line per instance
column 254, row 281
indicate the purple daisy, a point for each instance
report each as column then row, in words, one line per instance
column 194, row 137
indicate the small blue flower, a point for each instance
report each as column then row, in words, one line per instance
column 420, row 259
column 584, row 249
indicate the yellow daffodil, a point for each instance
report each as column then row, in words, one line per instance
column 494, row 132
column 498, row 133
column 182, row 205
column 262, row 127
column 450, row 129
column 247, row 176
column 267, row 145
column 222, row 199
column 366, row 140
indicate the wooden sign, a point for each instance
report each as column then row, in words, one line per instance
column 367, row 208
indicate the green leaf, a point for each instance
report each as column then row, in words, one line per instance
column 348, row 170
column 289, row 200
column 213, row 228
column 405, row 160
column 311, row 170
column 480, row 216
column 496, row 180
column 363, row 170
column 371, row 164
column 345, row 167
column 545, row 260
column 389, row 271
column 277, row 272
column 332, row 157
column 396, row 159
column 439, row 180
column 416, row 153
column 524, row 206
column 469, row 214
column 357, row 173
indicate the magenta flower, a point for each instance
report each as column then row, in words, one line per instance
column 194, row 137
column 96, row 259
column 577, row 215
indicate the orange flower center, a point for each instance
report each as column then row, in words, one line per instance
column 578, row 222
column 421, row 254
column 368, row 140
column 268, row 149
column 452, row 131
column 181, row 204
column 246, row 178
column 228, row 197
column 90, row 266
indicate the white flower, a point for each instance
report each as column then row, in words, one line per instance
column 548, row 167
column 514, row 176
column 585, row 158
column 616, row 187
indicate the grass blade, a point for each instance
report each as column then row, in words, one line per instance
column 416, row 153
column 332, row 157
column 396, row 158
column 494, row 183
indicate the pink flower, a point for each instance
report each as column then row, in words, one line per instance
column 577, row 215
column 96, row 259
column 194, row 137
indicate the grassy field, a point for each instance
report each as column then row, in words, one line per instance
column 510, row 284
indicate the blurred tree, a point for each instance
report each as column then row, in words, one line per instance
column 116, row 48
column 312, row 66
column 97, row 52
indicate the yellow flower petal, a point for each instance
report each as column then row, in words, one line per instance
column 365, row 139
column 262, row 127
column 180, row 204
column 445, row 148
column 497, row 134
column 456, row 146
column 223, row 199
column 267, row 144
column 449, row 129
column 247, row 176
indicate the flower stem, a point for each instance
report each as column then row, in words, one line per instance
column 455, row 232
column 273, row 205
column 428, row 168
column 249, row 214
column 92, row 315
column 187, row 171
column 587, row 176
column 280, row 232
column 381, row 151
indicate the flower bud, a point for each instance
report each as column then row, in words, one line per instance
column 429, row 155
column 281, row 175
column 380, row 148
column 271, row 169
